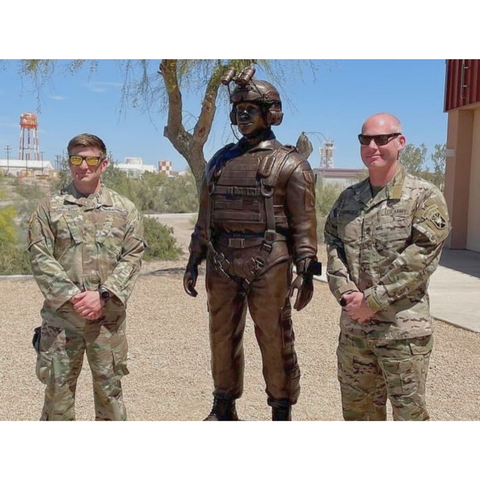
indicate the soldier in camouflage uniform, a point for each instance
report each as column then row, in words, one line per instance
column 86, row 245
column 384, row 237
column 257, row 215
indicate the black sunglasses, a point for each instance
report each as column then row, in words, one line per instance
column 380, row 140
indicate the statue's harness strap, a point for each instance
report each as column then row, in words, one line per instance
column 269, row 170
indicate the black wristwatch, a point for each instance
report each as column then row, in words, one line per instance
column 104, row 294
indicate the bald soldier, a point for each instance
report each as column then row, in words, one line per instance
column 384, row 239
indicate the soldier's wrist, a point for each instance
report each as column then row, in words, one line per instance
column 371, row 299
column 105, row 295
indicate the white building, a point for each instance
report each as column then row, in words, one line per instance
column 343, row 177
column 133, row 167
column 26, row 168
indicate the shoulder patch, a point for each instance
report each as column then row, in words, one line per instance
column 438, row 220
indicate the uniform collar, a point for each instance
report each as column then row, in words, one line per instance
column 102, row 197
column 391, row 191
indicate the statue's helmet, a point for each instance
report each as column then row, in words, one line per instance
column 262, row 93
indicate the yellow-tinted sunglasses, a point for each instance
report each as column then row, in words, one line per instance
column 91, row 161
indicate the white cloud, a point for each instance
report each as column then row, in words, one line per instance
column 108, row 84
column 57, row 97
column 102, row 87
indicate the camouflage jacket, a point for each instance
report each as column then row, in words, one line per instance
column 387, row 247
column 79, row 243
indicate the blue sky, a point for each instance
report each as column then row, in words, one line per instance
column 345, row 93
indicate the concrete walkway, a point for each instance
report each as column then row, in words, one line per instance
column 454, row 289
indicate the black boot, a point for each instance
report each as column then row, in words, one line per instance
column 223, row 410
column 281, row 410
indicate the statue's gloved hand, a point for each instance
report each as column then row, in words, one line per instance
column 303, row 283
column 190, row 278
column 304, row 286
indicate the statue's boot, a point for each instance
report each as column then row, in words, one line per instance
column 281, row 410
column 223, row 410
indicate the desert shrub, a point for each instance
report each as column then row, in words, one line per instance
column 326, row 195
column 14, row 260
column 162, row 245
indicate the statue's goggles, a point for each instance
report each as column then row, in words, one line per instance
column 380, row 140
column 91, row 161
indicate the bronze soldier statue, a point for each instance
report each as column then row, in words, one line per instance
column 256, row 218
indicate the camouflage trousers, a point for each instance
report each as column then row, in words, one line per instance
column 372, row 370
column 269, row 306
column 65, row 338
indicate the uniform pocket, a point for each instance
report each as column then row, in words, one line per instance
column 395, row 230
column 406, row 366
column 119, row 351
column 421, row 346
column 43, row 366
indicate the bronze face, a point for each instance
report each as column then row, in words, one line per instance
column 250, row 118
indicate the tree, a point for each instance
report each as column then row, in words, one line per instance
column 413, row 158
column 164, row 89
column 325, row 196
column 439, row 157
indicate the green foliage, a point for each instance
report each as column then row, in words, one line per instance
column 414, row 159
column 13, row 256
column 30, row 196
column 8, row 234
column 160, row 240
column 179, row 195
column 326, row 195
column 438, row 158
column 155, row 193
column 14, row 260
column 64, row 177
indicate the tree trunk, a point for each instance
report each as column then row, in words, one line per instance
column 188, row 145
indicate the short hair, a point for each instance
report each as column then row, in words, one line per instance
column 87, row 140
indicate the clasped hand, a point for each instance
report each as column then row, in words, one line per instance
column 88, row 304
column 356, row 307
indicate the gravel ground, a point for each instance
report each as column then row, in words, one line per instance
column 169, row 358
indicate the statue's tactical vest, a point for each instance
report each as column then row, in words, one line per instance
column 241, row 211
column 237, row 201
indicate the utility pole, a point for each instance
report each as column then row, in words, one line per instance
column 7, row 151
column 57, row 161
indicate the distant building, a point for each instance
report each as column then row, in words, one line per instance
column 343, row 177
column 133, row 167
column 26, row 168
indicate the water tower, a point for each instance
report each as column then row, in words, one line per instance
column 28, row 149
